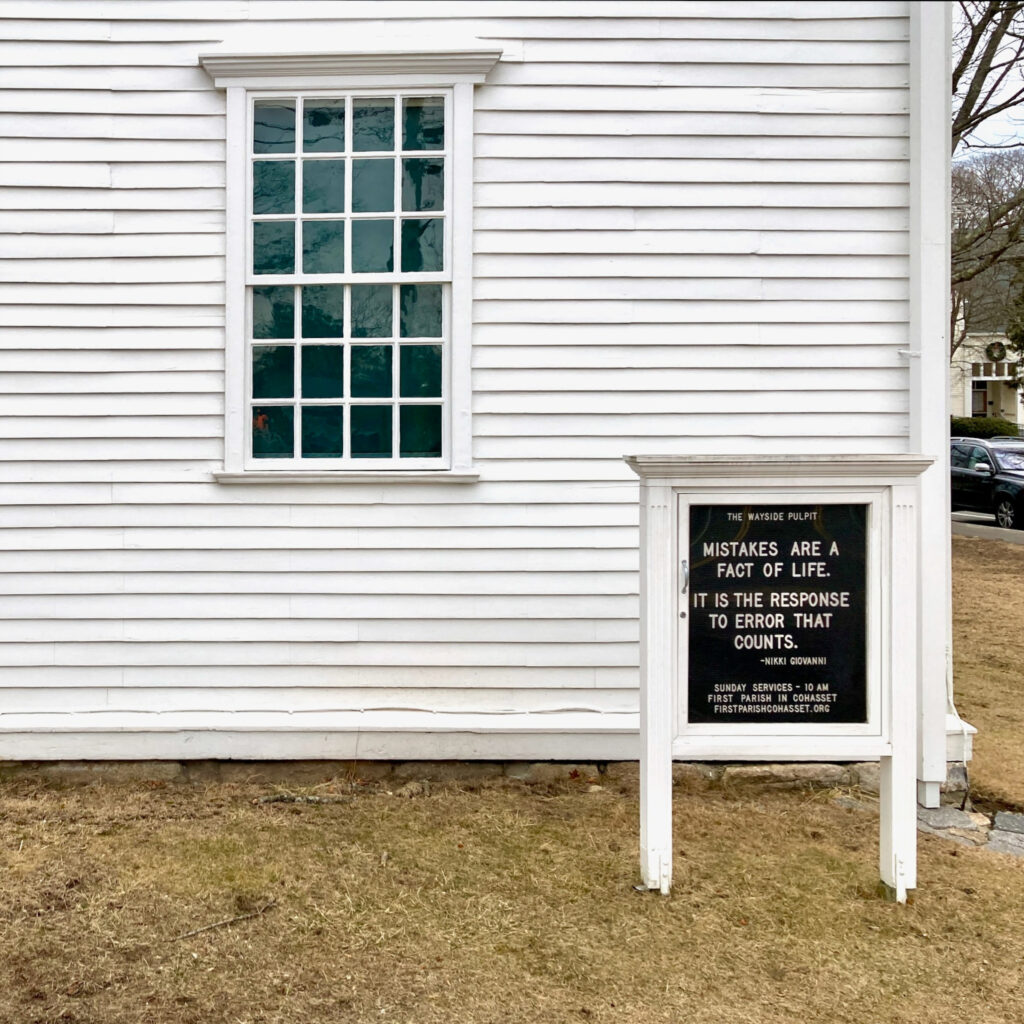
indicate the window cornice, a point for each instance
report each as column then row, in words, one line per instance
column 462, row 64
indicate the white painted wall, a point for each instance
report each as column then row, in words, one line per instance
column 691, row 237
column 1006, row 401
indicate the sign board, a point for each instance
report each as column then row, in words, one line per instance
column 777, row 613
column 779, row 622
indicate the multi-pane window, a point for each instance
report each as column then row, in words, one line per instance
column 348, row 277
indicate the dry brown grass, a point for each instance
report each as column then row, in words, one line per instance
column 515, row 904
column 988, row 657
column 504, row 904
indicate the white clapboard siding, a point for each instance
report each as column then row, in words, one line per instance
column 652, row 355
column 473, row 631
column 137, row 247
column 291, row 538
column 157, row 270
column 243, row 608
column 302, row 699
column 737, row 150
column 805, row 76
column 426, row 677
column 683, row 337
column 690, row 235
column 567, row 246
column 156, row 517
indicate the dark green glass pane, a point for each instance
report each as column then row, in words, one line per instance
column 323, row 431
column 420, row 311
column 419, row 371
column 323, row 186
column 323, row 311
column 423, row 245
column 273, row 432
column 323, row 126
column 419, row 431
column 371, row 311
column 273, row 186
column 273, row 127
column 273, row 247
column 370, row 430
column 371, row 371
column 273, row 371
column 273, row 312
column 373, row 246
column 423, row 184
column 323, row 246
column 373, row 186
column 323, row 369
column 423, row 123
column 373, row 125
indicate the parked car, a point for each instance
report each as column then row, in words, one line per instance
column 988, row 476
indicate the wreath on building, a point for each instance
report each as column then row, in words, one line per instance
column 996, row 351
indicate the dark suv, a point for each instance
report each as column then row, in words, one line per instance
column 988, row 476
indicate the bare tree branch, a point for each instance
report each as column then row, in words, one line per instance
column 988, row 184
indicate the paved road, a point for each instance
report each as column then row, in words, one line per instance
column 977, row 524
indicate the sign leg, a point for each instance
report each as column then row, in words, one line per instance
column 897, row 852
column 658, row 608
column 897, row 848
column 656, row 821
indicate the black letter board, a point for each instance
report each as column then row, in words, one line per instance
column 777, row 614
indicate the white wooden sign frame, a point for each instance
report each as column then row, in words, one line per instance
column 889, row 486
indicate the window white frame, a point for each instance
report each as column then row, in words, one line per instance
column 450, row 72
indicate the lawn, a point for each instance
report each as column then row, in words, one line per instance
column 502, row 902
column 988, row 659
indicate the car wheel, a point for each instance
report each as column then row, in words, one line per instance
column 1006, row 514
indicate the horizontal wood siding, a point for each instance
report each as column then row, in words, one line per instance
column 690, row 236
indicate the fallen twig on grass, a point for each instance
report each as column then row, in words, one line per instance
column 292, row 798
column 228, row 920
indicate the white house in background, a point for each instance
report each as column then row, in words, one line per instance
column 982, row 379
column 326, row 326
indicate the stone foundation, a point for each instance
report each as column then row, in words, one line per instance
column 789, row 775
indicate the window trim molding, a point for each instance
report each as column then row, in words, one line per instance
column 240, row 73
column 438, row 67
column 298, row 476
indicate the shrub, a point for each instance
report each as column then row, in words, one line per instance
column 981, row 426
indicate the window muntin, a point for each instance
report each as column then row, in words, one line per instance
column 348, row 281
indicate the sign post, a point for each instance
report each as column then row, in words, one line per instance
column 779, row 621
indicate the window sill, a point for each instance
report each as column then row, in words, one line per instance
column 416, row 476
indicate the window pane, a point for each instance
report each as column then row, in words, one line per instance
column 323, row 311
column 371, row 371
column 419, row 371
column 322, row 431
column 423, row 244
column 273, row 126
column 273, row 312
column 371, row 311
column 373, row 245
column 323, row 246
column 419, row 429
column 373, row 125
column 273, row 186
column 323, row 126
column 423, row 184
column 373, row 185
column 273, row 247
column 323, row 186
column 423, row 123
column 420, row 312
column 323, row 371
column 370, row 430
column 273, row 371
column 273, row 432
